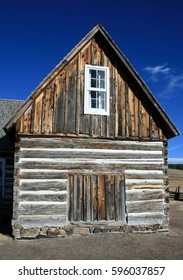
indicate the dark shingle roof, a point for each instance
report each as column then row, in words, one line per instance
column 8, row 107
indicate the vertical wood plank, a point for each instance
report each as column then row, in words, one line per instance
column 99, row 199
column 58, row 104
column 119, row 106
column 102, row 197
column 139, row 119
column 38, row 114
column 107, row 201
column 32, row 117
column 126, row 111
column 75, row 194
column 80, row 196
column 77, row 93
column 95, row 198
column 108, row 212
column 123, row 107
column 91, row 198
column 85, row 198
column 150, row 126
column 71, row 198
column 123, row 200
column 116, row 198
column 66, row 100
column 135, row 116
column 116, row 102
column 112, row 199
column 43, row 115
column 88, row 197
column 130, row 112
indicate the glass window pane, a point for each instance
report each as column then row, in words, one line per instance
column 93, row 83
column 93, row 103
column 93, row 73
column 93, row 94
column 97, row 103
column 102, row 104
column 102, row 83
column 102, row 95
column 101, row 74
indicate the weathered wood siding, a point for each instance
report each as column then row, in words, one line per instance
column 50, row 173
column 96, row 197
column 58, row 106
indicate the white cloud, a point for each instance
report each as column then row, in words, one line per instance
column 173, row 82
column 176, row 81
column 159, row 69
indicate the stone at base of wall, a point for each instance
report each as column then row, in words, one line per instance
column 20, row 232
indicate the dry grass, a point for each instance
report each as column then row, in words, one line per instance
column 175, row 179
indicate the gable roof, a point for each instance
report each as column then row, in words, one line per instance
column 132, row 77
column 8, row 108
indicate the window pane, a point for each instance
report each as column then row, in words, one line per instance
column 93, row 82
column 102, row 83
column 102, row 100
column 93, row 94
column 93, row 103
column 97, row 105
column 101, row 74
column 93, row 73
column 102, row 95
column 102, row 104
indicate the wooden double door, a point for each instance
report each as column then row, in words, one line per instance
column 96, row 197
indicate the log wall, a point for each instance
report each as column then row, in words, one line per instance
column 51, row 172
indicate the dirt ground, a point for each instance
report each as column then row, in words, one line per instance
column 134, row 246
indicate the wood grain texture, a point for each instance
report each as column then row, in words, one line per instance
column 59, row 106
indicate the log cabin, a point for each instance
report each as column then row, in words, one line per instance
column 90, row 148
column 8, row 108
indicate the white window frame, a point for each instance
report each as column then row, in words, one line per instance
column 2, row 181
column 88, row 89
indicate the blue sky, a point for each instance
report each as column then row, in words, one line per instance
column 37, row 34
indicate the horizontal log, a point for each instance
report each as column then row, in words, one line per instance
column 144, row 194
column 41, row 221
column 145, row 206
column 84, row 143
column 128, row 154
column 146, row 187
column 59, row 174
column 145, row 176
column 42, row 174
column 96, row 160
column 123, row 165
column 144, row 172
column 98, row 171
column 43, row 196
column 148, row 218
column 40, row 208
column 36, row 185
column 130, row 182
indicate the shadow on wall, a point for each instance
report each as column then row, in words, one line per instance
column 5, row 222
